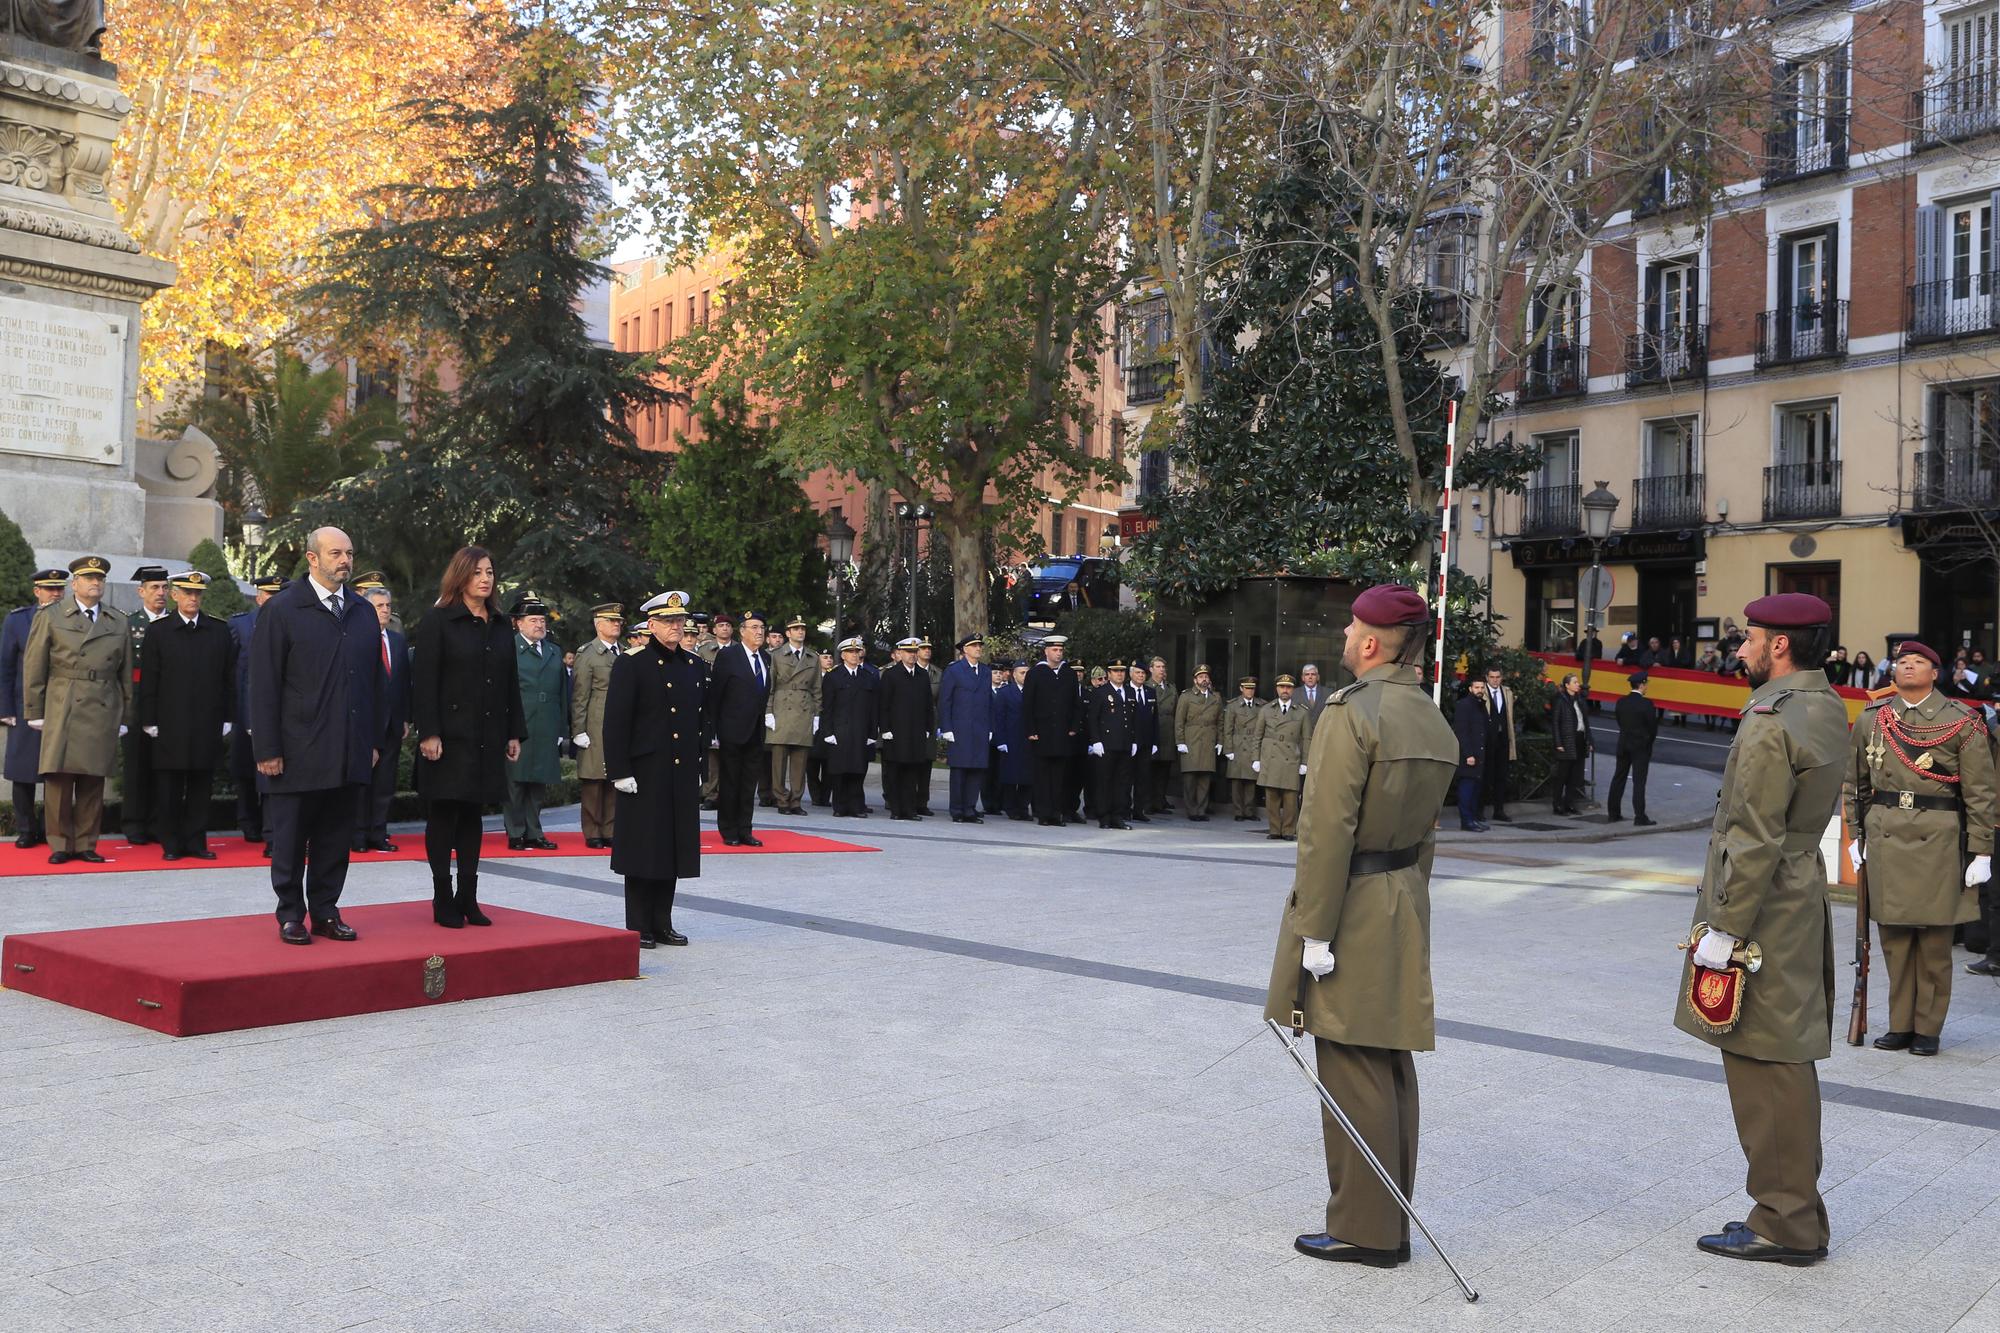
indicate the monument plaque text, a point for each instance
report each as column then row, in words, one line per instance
column 62, row 372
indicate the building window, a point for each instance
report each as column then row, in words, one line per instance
column 1803, row 480
column 1550, row 502
column 1055, row 532
column 1674, row 342
column 1964, row 98
column 1560, row 26
column 1152, row 472
column 704, row 307
column 1118, row 442
column 1146, row 349
column 1557, row 366
column 1811, row 320
column 1670, row 494
column 1961, row 467
column 1447, row 254
column 1810, row 130
column 1954, row 291
column 1082, row 537
column 688, row 324
column 1084, row 434
column 372, row 382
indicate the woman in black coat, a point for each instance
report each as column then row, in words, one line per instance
column 654, row 739
column 1572, row 745
column 465, row 702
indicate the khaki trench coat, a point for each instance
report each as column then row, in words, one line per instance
column 1165, row 696
column 1916, row 858
column 589, row 688
column 76, row 677
column 1198, row 725
column 794, row 701
column 1765, row 880
column 1382, row 759
column 1284, row 738
column 1239, row 737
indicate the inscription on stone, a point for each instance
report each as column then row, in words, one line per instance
column 62, row 374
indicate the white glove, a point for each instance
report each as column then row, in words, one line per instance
column 946, row 737
column 154, row 732
column 770, row 721
column 1135, row 749
column 888, row 735
column 8, row 721
column 122, row 729
column 1182, row 747
column 815, row 724
column 1855, row 856
column 1979, row 871
column 630, row 786
column 833, row 740
column 1317, row 957
column 715, row 744
column 1218, row 750
column 1713, row 949
column 227, row 727
column 34, row 724
column 1097, row 747
column 1256, row 765
column 1231, row 756
column 581, row 740
column 1003, row 749
column 1302, row 770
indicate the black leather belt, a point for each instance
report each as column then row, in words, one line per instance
column 1381, row 863
column 1909, row 800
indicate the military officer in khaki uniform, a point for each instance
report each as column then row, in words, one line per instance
column 794, row 716
column 1239, row 742
column 1284, row 738
column 1165, row 697
column 76, row 689
column 1920, row 799
column 590, row 686
column 1354, row 949
column 1198, row 742
column 1765, row 883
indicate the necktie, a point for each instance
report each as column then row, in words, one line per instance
column 385, row 653
column 91, row 611
column 757, row 665
column 1311, row 696
column 1284, row 708
column 333, row 604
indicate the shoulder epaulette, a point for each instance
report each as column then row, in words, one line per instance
column 1339, row 696
column 1874, row 704
column 1770, row 705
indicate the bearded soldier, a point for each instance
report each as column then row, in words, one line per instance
column 1766, row 884
column 1354, row 952
column 1920, row 799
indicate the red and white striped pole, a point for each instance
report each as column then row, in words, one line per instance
column 1444, row 556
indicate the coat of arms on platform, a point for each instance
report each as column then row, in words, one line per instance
column 434, row 977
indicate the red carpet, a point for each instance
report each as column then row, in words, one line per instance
column 234, row 852
column 185, row 978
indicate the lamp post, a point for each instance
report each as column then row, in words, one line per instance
column 254, row 520
column 839, row 550
column 1598, row 508
column 913, row 517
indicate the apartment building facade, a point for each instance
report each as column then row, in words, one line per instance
column 1798, row 390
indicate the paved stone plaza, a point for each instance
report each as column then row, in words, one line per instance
column 981, row 1080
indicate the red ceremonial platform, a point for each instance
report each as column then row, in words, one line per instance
column 186, row 978
column 235, row 853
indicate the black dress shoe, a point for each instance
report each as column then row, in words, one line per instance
column 749, row 842
column 1142, row 819
column 1922, row 1045
column 673, row 937
column 1503, row 816
column 294, row 932
column 1743, row 1243
column 1322, row 1246
column 204, row 855
column 910, row 818
column 170, row 856
column 333, row 928
column 267, row 851
column 1643, row 822
column 385, row 846
column 140, row 840
column 648, row 942
column 27, row 842
column 1894, row 1041
column 1983, row 967
column 517, row 844
column 60, row 858
column 975, row 819
column 1074, row 819
column 92, row 856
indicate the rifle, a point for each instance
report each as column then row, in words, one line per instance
column 1857, row 1016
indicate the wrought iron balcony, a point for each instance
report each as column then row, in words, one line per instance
column 1146, row 349
column 1675, row 501
column 1964, row 103
column 1559, row 368
column 1793, row 152
column 1148, row 383
column 1813, row 331
column 1802, row 490
column 1659, row 358
column 1550, row 511
column 1954, row 308
column 1447, row 317
column 1958, row 478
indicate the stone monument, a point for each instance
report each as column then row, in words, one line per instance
column 71, row 287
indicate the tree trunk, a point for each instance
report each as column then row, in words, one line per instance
column 971, row 581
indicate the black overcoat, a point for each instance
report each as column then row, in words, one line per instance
column 1468, row 719
column 1638, row 724
column 1051, row 709
column 1573, row 740
column 655, row 731
column 905, row 709
column 24, row 743
column 464, row 689
column 317, row 693
column 187, row 688
column 737, row 702
column 1112, row 722
column 847, row 713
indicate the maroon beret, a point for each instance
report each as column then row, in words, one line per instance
column 1388, row 604
column 1921, row 650
column 1788, row 610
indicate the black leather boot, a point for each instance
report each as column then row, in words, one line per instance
column 443, row 910
column 468, row 899
column 670, row 935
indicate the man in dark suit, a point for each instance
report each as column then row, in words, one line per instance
column 24, row 744
column 965, row 725
column 904, row 721
column 738, row 701
column 1111, row 723
column 847, row 725
column 138, row 800
column 1146, row 733
column 242, row 758
column 187, row 677
column 371, row 803
column 1469, row 721
column 1638, row 726
column 1502, row 748
column 1050, row 708
column 319, row 719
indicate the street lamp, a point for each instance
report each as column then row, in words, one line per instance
column 1598, row 507
column 254, row 520
column 912, row 517
column 839, row 550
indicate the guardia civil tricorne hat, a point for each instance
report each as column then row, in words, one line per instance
column 145, row 573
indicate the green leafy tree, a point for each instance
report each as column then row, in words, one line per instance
column 17, row 566
column 530, row 454
column 223, row 597
column 732, row 527
column 1291, row 463
column 1098, row 635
